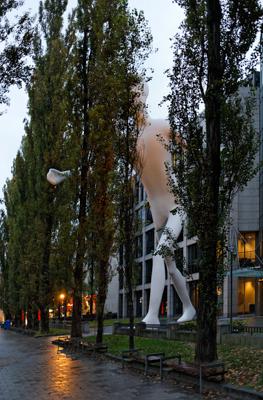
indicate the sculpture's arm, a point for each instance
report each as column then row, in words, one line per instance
column 55, row 177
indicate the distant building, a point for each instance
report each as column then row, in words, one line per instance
column 246, row 242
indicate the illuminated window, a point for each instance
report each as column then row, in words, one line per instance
column 246, row 295
column 247, row 246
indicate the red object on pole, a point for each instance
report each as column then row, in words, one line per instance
column 22, row 315
column 39, row 315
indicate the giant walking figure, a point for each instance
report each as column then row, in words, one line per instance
column 153, row 157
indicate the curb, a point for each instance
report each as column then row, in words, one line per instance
column 242, row 393
column 236, row 392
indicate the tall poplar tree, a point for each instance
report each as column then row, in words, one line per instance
column 99, row 61
column 136, row 48
column 16, row 44
column 4, row 301
column 219, row 146
column 46, row 128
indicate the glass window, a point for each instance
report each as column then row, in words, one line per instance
column 139, row 218
column 138, row 250
column 181, row 236
column 246, row 248
column 179, row 258
column 192, row 258
column 177, row 304
column 138, row 274
column 148, row 215
column 137, row 194
column 141, row 192
column 246, row 295
column 194, row 293
column 148, row 270
column 163, row 306
column 149, row 241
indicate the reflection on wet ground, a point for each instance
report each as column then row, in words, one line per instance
column 31, row 369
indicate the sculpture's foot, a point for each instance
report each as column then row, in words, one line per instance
column 188, row 315
column 151, row 320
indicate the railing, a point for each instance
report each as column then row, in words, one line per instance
column 246, row 262
column 247, row 329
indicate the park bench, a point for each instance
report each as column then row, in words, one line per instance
column 88, row 347
column 78, row 345
column 160, row 358
column 62, row 342
column 213, row 371
column 129, row 356
column 148, row 360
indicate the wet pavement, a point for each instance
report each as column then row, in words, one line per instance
column 31, row 369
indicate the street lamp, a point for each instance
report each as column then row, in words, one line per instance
column 62, row 298
column 233, row 252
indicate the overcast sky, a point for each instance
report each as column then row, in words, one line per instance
column 164, row 18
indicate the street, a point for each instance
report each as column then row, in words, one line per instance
column 31, row 369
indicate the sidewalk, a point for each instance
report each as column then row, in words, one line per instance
column 32, row 369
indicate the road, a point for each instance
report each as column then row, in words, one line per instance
column 31, row 369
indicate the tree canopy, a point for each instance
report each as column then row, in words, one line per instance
column 16, row 34
column 211, row 63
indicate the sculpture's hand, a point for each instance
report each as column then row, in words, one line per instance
column 55, row 177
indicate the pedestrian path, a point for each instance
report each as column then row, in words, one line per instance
column 31, row 369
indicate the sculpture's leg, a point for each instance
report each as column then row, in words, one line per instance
column 179, row 281
column 157, row 286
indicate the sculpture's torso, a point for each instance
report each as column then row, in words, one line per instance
column 153, row 155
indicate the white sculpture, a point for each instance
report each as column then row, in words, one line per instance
column 152, row 158
column 153, row 155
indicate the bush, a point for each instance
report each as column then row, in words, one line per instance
column 239, row 325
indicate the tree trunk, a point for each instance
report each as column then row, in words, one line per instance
column 101, row 298
column 44, row 284
column 35, row 322
column 206, row 349
column 29, row 317
column 130, row 310
column 129, row 270
column 76, row 330
column 105, row 233
column 91, row 287
column 44, row 321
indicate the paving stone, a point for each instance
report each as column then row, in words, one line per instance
column 31, row 369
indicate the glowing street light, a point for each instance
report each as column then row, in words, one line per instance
column 62, row 296
column 62, row 305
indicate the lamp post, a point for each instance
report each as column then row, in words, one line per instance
column 231, row 290
column 233, row 253
column 62, row 304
